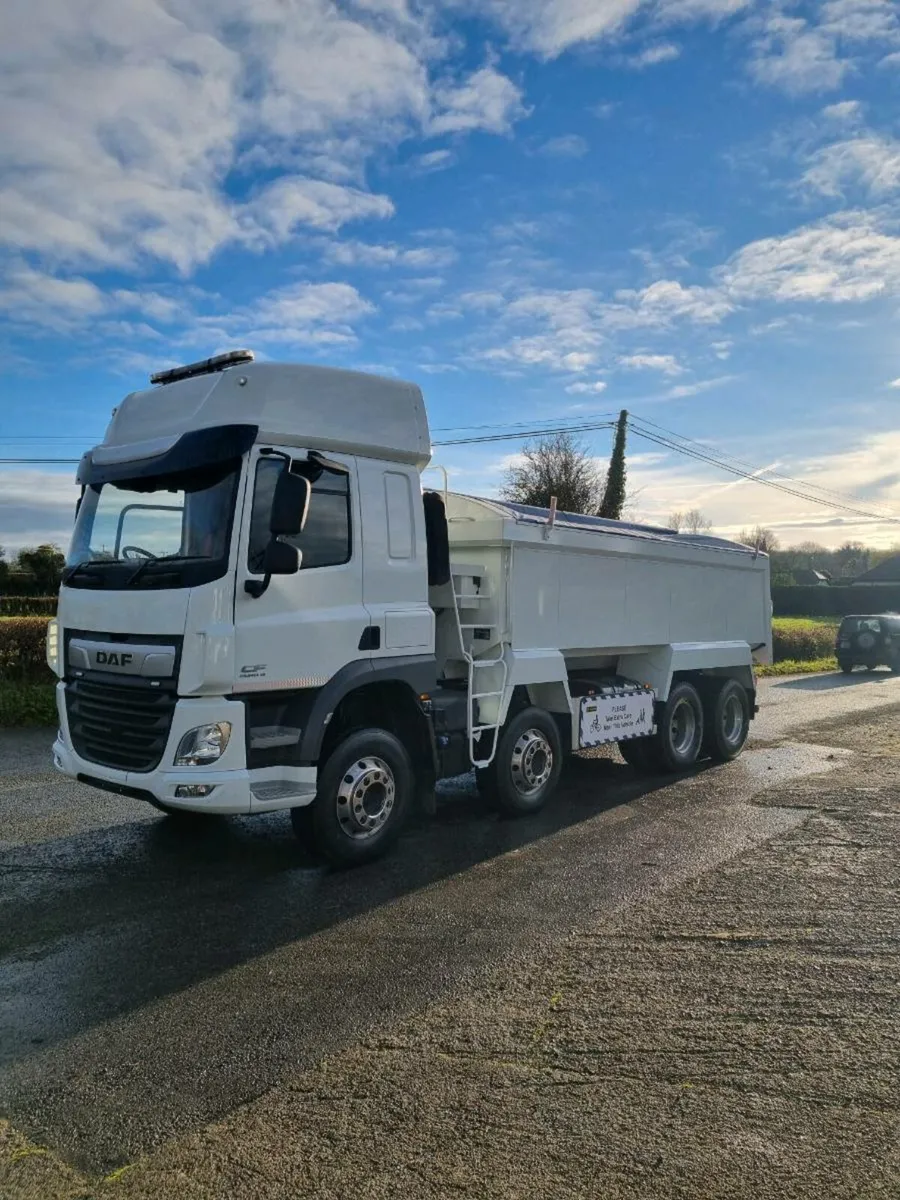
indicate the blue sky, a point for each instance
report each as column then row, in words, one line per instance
column 539, row 210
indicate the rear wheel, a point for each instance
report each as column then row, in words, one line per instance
column 363, row 798
column 846, row 665
column 640, row 754
column 727, row 714
column 679, row 735
column 527, row 765
column 678, row 740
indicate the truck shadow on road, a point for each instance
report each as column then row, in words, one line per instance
column 103, row 922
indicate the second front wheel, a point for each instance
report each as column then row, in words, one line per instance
column 527, row 765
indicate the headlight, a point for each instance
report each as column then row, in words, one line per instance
column 53, row 645
column 203, row 745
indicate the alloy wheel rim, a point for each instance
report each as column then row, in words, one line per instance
column 532, row 762
column 365, row 798
column 683, row 726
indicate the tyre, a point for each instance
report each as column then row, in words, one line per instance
column 727, row 720
column 679, row 732
column 641, row 754
column 527, row 765
column 846, row 665
column 894, row 664
column 363, row 799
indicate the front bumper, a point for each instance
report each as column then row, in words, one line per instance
column 236, row 790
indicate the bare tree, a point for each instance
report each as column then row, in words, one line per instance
column 557, row 466
column 760, row 538
column 691, row 521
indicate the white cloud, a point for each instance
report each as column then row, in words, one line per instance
column 683, row 390
column 36, row 506
column 155, row 306
column 846, row 257
column 127, row 123
column 361, row 254
column 801, row 56
column 844, row 110
column 293, row 201
column 565, row 330
column 32, row 297
column 850, row 469
column 796, row 57
column 870, row 162
column 305, row 314
column 652, row 56
column 568, row 145
column 482, row 301
column 666, row 363
column 861, row 20
column 895, row 383
column 486, row 101
column 666, row 301
column 434, row 160
column 587, row 389
column 550, row 27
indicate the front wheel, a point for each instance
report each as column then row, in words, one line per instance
column 527, row 765
column 363, row 798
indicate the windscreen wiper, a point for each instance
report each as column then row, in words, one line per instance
column 158, row 559
column 71, row 572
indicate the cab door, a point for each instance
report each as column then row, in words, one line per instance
column 308, row 625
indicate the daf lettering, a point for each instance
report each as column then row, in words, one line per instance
column 112, row 658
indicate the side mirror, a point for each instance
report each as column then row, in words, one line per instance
column 290, row 505
column 281, row 559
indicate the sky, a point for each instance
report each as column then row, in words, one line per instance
column 542, row 211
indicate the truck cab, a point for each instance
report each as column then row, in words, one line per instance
column 201, row 654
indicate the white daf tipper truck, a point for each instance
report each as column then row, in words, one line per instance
column 262, row 610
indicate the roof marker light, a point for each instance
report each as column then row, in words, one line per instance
column 206, row 366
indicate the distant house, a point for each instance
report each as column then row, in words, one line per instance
column 806, row 577
column 886, row 572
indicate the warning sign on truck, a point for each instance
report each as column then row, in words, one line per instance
column 612, row 718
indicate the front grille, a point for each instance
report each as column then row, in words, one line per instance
column 122, row 725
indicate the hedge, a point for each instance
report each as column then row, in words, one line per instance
column 28, row 606
column 835, row 601
column 27, row 704
column 22, row 650
column 802, row 642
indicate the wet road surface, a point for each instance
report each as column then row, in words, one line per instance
column 153, row 977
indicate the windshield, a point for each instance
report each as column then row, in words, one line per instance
column 154, row 524
column 860, row 625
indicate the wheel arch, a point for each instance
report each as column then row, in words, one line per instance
column 384, row 694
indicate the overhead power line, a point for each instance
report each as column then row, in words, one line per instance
column 842, row 497
column 669, row 443
column 641, row 427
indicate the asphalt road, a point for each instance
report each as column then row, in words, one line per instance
column 152, row 978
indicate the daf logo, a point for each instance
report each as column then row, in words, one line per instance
column 111, row 658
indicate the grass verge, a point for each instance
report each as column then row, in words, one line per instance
column 793, row 666
column 27, row 704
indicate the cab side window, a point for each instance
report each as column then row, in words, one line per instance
column 326, row 540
